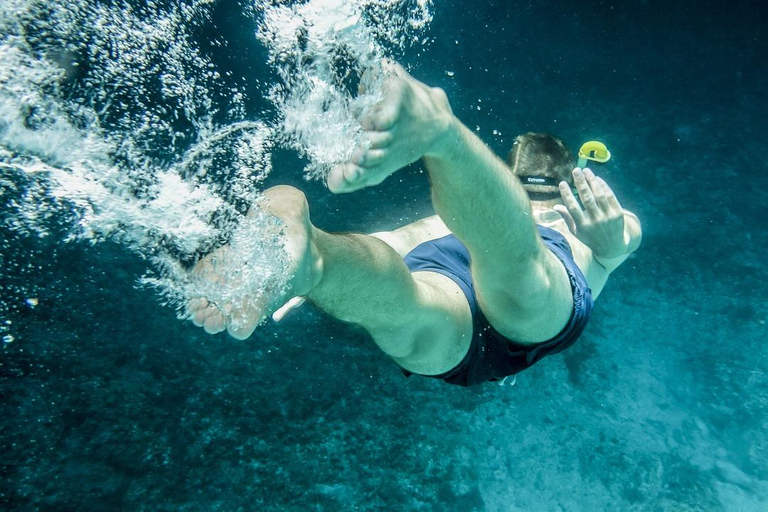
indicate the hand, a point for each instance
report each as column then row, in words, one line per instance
column 407, row 124
column 600, row 224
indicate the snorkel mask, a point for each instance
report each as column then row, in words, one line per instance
column 592, row 151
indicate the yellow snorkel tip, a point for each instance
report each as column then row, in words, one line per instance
column 593, row 151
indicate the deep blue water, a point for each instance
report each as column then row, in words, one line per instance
column 110, row 403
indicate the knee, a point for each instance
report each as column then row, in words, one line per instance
column 285, row 194
column 285, row 199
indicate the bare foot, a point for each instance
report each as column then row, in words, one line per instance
column 407, row 124
column 239, row 311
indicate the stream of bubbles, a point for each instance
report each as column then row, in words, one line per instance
column 116, row 125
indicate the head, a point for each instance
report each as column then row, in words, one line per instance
column 541, row 155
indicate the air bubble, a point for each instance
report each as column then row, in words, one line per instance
column 134, row 155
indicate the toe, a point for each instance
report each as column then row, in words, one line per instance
column 344, row 178
column 379, row 140
column 373, row 158
column 198, row 320
column 245, row 319
column 201, row 315
column 242, row 332
column 196, row 305
column 214, row 323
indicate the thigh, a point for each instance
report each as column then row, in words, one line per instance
column 529, row 301
column 440, row 339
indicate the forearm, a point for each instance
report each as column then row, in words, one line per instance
column 478, row 197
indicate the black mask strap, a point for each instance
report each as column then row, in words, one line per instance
column 547, row 181
column 540, row 180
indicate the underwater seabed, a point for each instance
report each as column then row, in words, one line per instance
column 118, row 406
column 109, row 402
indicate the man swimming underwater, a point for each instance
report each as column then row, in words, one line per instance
column 503, row 275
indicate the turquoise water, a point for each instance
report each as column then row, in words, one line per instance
column 111, row 403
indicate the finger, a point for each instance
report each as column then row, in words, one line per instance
column 571, row 203
column 368, row 122
column 383, row 115
column 591, row 180
column 599, row 187
column 601, row 195
column 566, row 215
column 294, row 303
column 604, row 196
column 597, row 191
column 379, row 140
column 367, row 77
column 613, row 202
column 198, row 321
column 585, row 192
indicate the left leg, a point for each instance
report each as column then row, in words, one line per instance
column 421, row 320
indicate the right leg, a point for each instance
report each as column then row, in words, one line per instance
column 521, row 286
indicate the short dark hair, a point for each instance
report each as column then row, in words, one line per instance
column 541, row 154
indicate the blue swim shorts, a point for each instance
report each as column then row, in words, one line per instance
column 491, row 356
